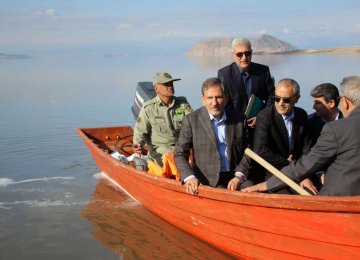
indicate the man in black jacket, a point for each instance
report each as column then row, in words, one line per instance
column 281, row 132
column 337, row 149
column 243, row 78
column 326, row 100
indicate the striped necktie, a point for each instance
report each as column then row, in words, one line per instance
column 288, row 124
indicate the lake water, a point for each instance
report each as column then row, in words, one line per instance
column 53, row 202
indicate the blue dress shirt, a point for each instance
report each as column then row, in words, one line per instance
column 220, row 136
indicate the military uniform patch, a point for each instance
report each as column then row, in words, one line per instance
column 179, row 111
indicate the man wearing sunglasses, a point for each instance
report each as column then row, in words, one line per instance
column 281, row 132
column 243, row 78
column 337, row 149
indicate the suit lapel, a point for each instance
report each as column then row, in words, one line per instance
column 254, row 80
column 229, row 131
column 206, row 123
column 295, row 130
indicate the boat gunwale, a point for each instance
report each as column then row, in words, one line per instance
column 336, row 204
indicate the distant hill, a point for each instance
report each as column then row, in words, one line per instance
column 13, row 56
column 262, row 45
column 222, row 46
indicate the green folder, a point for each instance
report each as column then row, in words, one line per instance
column 254, row 106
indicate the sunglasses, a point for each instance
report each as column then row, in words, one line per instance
column 246, row 53
column 286, row 100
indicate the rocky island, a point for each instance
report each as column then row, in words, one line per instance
column 265, row 44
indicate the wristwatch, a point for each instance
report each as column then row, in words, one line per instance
column 240, row 176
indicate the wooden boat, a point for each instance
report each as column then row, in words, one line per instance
column 250, row 226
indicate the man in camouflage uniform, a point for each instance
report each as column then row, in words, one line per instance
column 159, row 122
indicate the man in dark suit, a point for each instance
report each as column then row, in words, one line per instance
column 281, row 133
column 326, row 100
column 243, row 78
column 217, row 141
column 337, row 149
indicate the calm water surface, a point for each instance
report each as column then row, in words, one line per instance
column 53, row 205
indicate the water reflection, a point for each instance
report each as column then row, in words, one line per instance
column 132, row 232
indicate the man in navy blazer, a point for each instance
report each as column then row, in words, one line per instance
column 337, row 149
column 243, row 78
column 282, row 130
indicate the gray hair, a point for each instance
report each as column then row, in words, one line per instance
column 350, row 88
column 291, row 82
column 212, row 82
column 240, row 41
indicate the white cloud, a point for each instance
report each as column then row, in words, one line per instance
column 263, row 31
column 155, row 24
column 124, row 26
column 51, row 13
column 286, row 30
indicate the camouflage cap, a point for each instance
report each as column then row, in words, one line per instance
column 163, row 77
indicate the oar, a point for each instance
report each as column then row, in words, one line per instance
column 276, row 172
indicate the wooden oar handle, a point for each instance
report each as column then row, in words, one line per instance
column 276, row 172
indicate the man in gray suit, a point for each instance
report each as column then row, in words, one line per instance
column 337, row 149
column 217, row 141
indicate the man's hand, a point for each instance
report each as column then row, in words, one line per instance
column 251, row 122
column 307, row 183
column 234, row 184
column 322, row 178
column 256, row 188
column 291, row 158
column 192, row 186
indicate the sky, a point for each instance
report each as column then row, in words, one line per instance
column 169, row 26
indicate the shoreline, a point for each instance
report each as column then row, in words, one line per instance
column 350, row 49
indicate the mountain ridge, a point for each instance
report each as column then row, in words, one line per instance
column 265, row 44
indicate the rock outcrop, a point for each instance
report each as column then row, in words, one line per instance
column 221, row 47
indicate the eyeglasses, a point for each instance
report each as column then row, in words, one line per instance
column 286, row 100
column 246, row 53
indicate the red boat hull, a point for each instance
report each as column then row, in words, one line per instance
column 254, row 226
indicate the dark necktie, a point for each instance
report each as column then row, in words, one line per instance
column 288, row 124
column 246, row 78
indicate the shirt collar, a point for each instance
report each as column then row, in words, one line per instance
column 223, row 117
column 159, row 101
column 242, row 72
column 290, row 117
